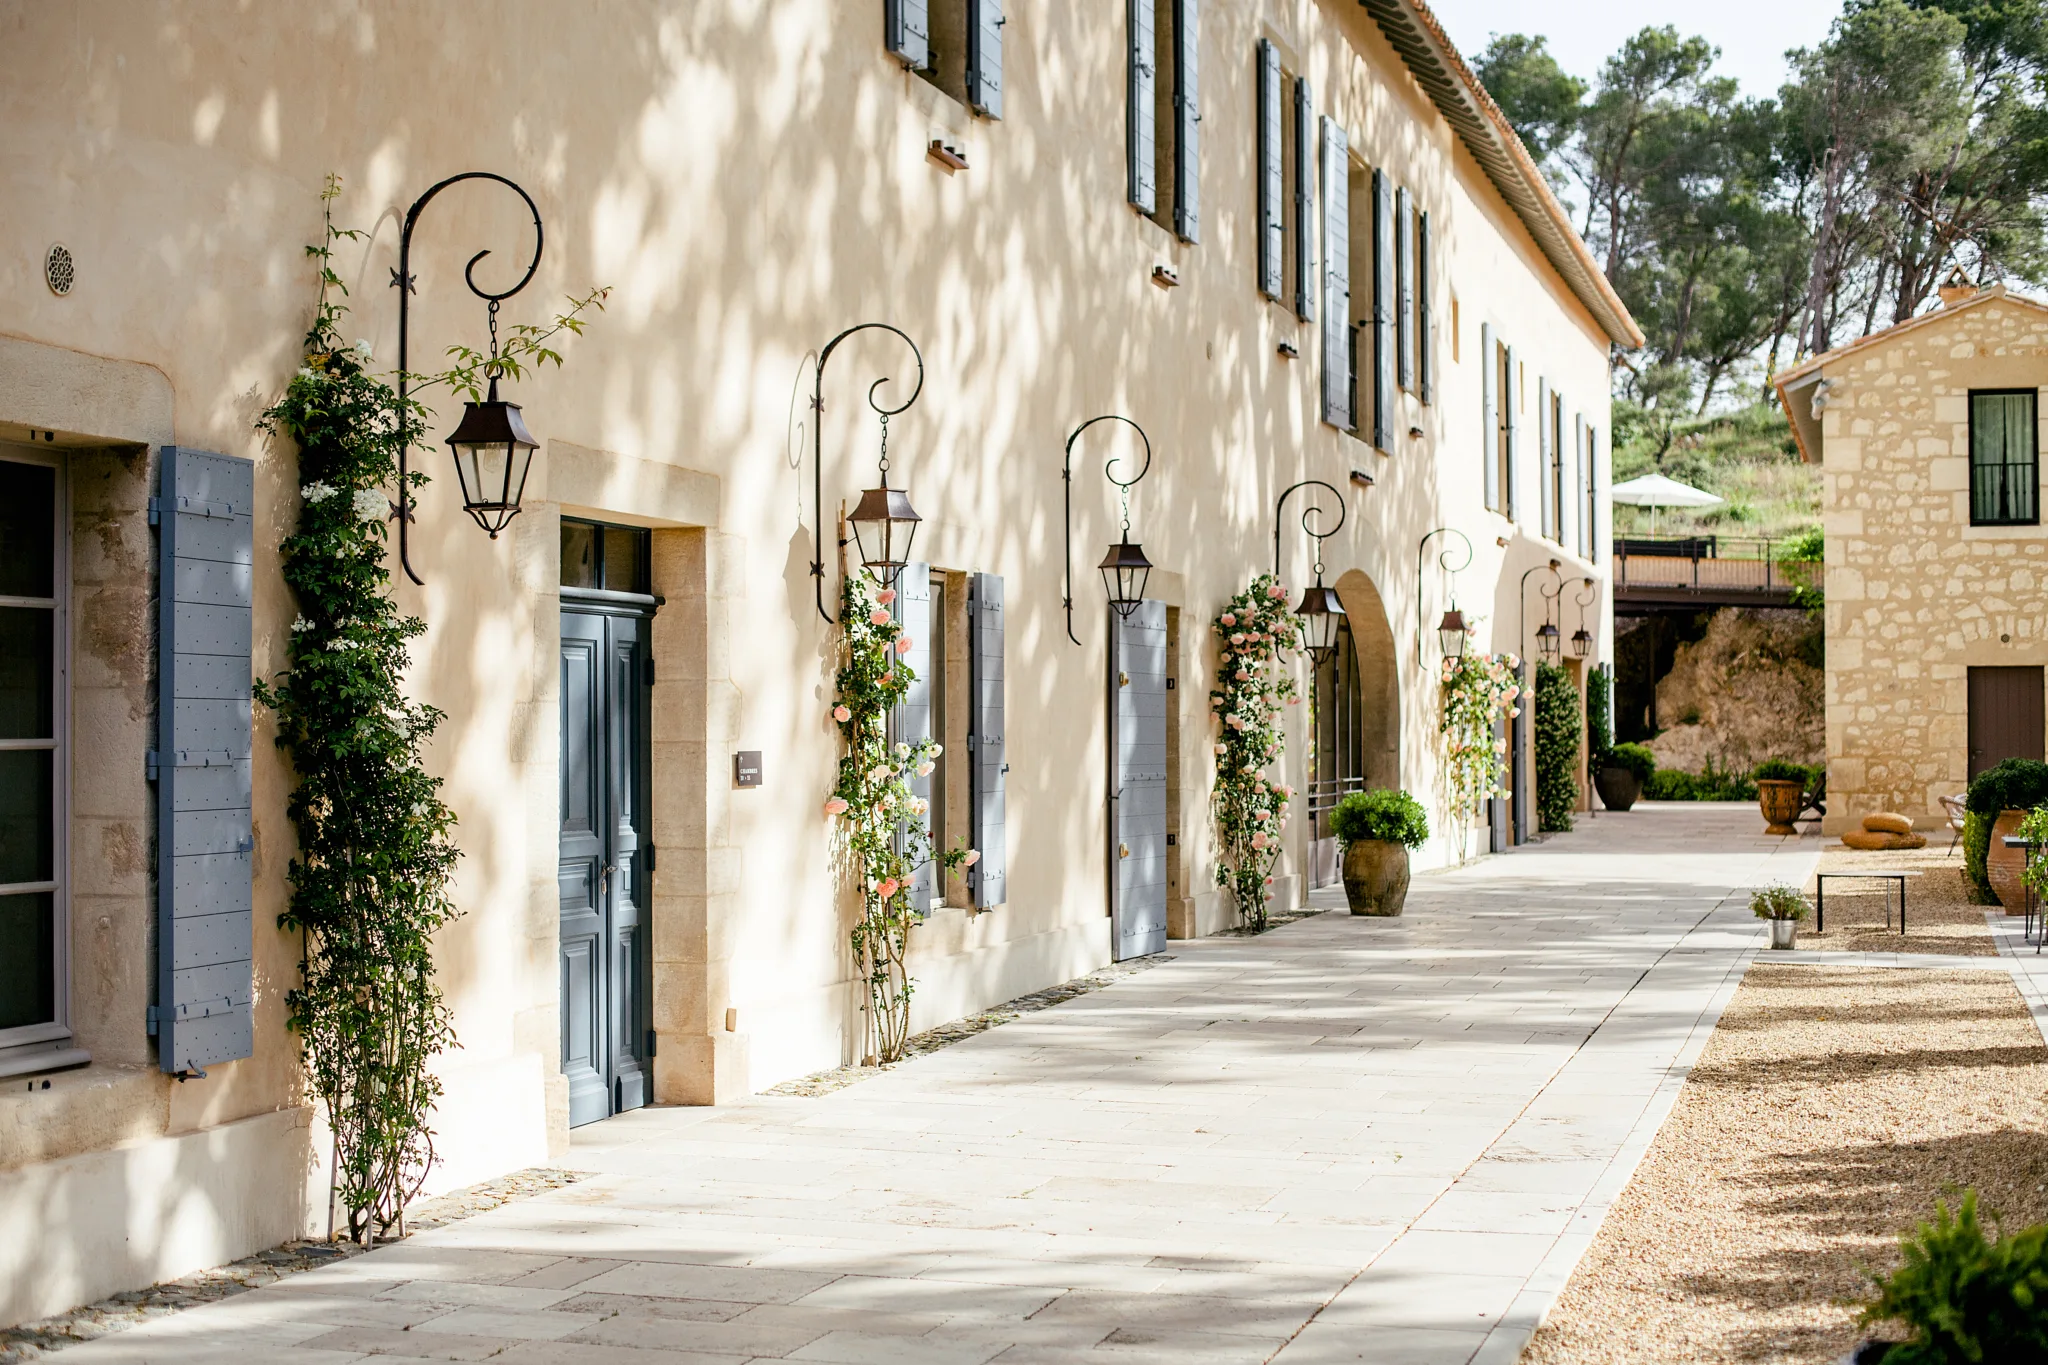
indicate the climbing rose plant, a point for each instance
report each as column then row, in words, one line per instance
column 884, row 828
column 1476, row 690
column 376, row 844
column 1250, row 810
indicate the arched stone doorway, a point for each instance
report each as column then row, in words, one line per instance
column 1354, row 719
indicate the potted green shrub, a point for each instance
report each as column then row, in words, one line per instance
column 1782, row 908
column 1963, row 1296
column 1623, row 771
column 1998, row 802
column 1376, row 829
column 1780, row 794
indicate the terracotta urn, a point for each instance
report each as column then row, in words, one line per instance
column 1780, row 800
column 1618, row 788
column 2005, row 867
column 1375, row 877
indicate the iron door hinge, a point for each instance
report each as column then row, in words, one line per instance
column 156, row 511
column 151, row 763
column 150, row 1017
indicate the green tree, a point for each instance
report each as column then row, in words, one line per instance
column 1541, row 102
column 1557, row 747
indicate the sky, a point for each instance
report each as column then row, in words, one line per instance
column 1753, row 35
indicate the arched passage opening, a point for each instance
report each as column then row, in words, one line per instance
column 1354, row 718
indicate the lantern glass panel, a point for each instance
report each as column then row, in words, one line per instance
column 884, row 526
column 1547, row 640
column 1125, row 570
column 1582, row 643
column 1450, row 633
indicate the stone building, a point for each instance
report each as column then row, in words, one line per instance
column 1928, row 438
column 1293, row 241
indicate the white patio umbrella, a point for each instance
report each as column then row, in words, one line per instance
column 1654, row 491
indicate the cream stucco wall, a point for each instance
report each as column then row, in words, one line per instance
column 1916, row 595
column 750, row 178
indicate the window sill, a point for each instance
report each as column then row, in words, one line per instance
column 28, row 1063
column 2029, row 530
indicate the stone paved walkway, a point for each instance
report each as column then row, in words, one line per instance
column 1346, row 1140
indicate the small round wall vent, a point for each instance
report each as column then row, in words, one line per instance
column 58, row 269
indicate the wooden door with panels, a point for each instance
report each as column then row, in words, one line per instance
column 1137, row 779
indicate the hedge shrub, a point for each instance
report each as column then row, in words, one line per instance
column 1557, row 748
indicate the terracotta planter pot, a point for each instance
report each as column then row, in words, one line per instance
column 1375, row 877
column 2004, row 867
column 1618, row 787
column 1780, row 800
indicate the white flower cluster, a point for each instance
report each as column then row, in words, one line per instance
column 317, row 493
column 371, row 505
column 301, row 626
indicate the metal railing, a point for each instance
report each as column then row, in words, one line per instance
column 1712, row 564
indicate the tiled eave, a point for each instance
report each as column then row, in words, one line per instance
column 1464, row 103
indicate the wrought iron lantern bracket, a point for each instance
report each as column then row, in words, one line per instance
column 1126, row 560
column 891, row 505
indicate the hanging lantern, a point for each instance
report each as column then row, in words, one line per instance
column 1321, row 613
column 1547, row 641
column 1582, row 643
column 1450, row 632
column 884, row 525
column 1124, row 571
column 493, row 452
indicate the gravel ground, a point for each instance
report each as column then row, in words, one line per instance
column 1829, row 1111
column 1940, row 917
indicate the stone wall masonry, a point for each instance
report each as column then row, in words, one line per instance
column 1916, row 595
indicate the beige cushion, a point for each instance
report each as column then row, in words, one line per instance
column 1884, row 822
column 1871, row 841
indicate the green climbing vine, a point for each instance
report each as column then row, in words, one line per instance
column 1477, row 690
column 1557, row 748
column 1249, row 808
column 884, row 827
column 369, row 884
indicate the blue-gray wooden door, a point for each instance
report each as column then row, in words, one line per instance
column 605, row 854
column 1137, row 780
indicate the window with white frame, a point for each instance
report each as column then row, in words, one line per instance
column 33, row 938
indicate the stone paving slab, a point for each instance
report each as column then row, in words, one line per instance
column 1348, row 1139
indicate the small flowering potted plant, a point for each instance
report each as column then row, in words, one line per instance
column 1782, row 908
column 1376, row 829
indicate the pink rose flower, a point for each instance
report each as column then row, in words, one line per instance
column 1229, row 618
column 887, row 678
column 1223, row 748
column 903, row 645
column 841, row 714
column 878, row 617
column 1260, row 840
column 973, row 857
column 887, row 888
column 886, row 596
column 1237, row 639
column 1276, row 592
column 1269, row 881
column 1243, row 675
column 836, row 806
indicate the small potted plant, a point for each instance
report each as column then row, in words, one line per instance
column 1376, row 829
column 1783, row 908
column 1780, row 794
column 1621, row 774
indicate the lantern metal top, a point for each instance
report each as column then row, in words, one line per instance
column 884, row 509
column 1125, row 570
column 1321, row 612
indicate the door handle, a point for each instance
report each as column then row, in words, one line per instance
column 1123, row 850
column 604, row 882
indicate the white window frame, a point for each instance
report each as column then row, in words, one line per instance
column 20, row 1045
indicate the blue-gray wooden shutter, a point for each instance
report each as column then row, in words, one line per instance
column 1574, row 503
column 1546, row 509
column 1489, row 385
column 1511, row 477
column 1382, row 311
column 913, row 719
column 1518, row 741
column 1404, row 276
column 906, row 30
column 988, row 878
column 1592, row 492
column 1143, row 136
column 1425, row 321
column 1306, row 279
column 985, row 56
column 1272, row 173
column 205, row 840
column 1336, row 276
column 1187, row 111
column 1137, row 748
